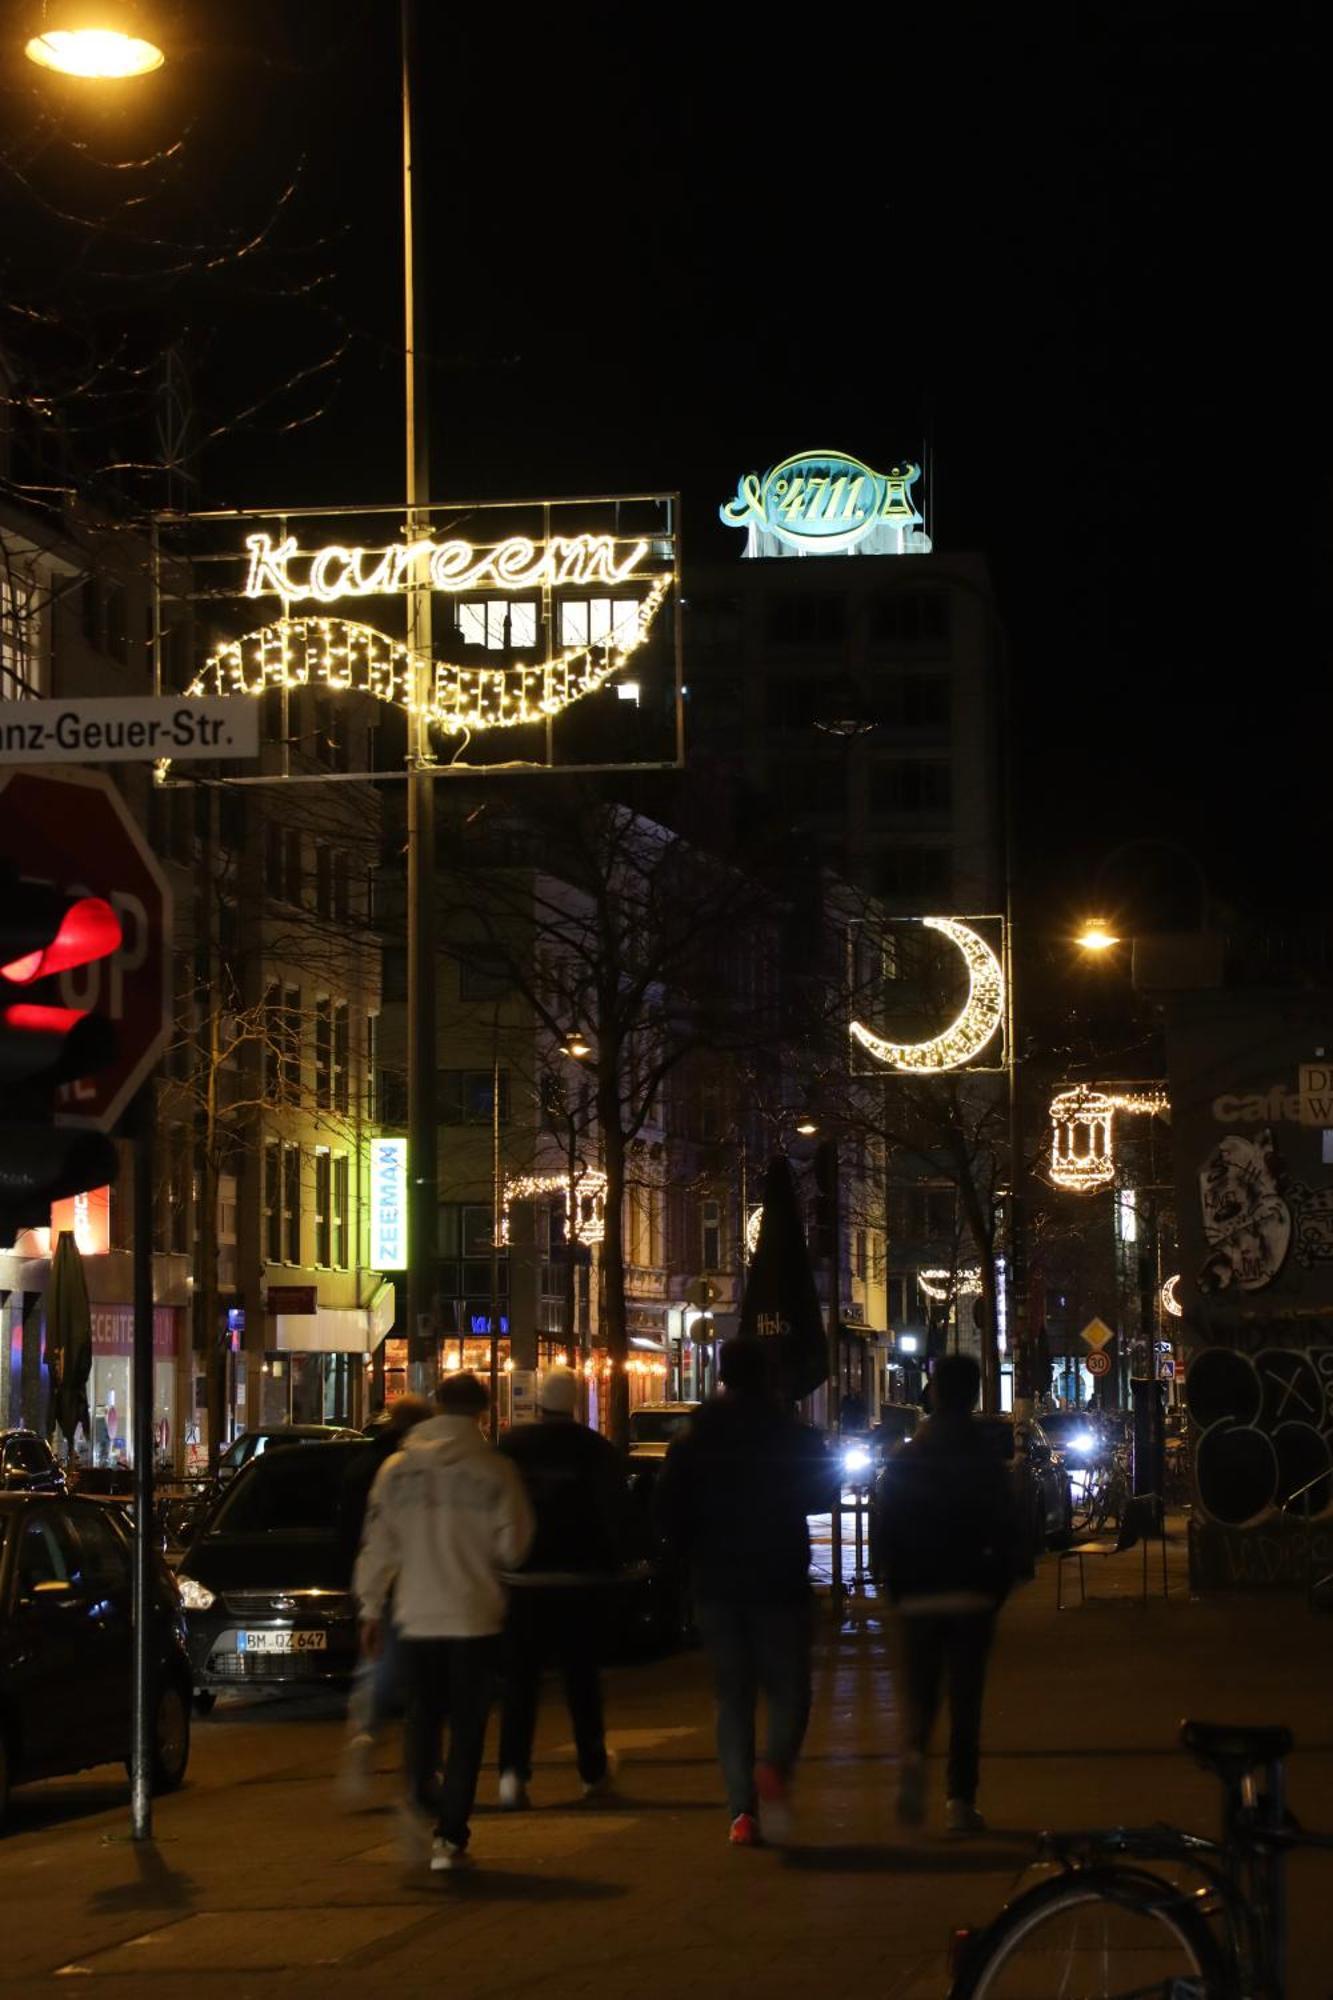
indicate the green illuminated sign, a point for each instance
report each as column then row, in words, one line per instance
column 823, row 503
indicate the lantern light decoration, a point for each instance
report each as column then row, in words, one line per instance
column 1083, row 1128
column 1171, row 1297
column 589, row 1199
column 967, row 1035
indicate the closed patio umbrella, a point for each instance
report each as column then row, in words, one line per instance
column 781, row 1303
column 69, row 1338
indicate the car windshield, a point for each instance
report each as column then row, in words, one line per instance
column 657, row 1426
column 286, row 1493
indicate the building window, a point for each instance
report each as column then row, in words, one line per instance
column 911, row 618
column 272, row 1201
column 911, row 785
column 117, row 634
column 341, row 1057
column 291, row 1204
column 282, row 863
column 323, row 1206
column 915, row 871
column 915, row 701
column 465, row 1251
column 860, row 1257
column 341, row 1209
column 483, row 973
column 373, row 1092
column 333, row 732
column 465, row 1096
column 18, row 637
column 499, row 624
column 289, row 1046
column 808, row 620
column 710, row 1233
column 324, row 1054
column 599, row 621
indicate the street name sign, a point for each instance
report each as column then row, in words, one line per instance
column 1097, row 1334
column 123, row 729
column 76, row 834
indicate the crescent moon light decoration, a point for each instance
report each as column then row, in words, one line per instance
column 964, row 1038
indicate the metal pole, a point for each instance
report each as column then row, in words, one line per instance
column 422, row 1136
column 497, row 1197
column 835, row 1377
column 141, row 1752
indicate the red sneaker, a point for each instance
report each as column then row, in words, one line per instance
column 744, row 1831
column 774, row 1804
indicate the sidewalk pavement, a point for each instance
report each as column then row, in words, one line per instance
column 259, row 1884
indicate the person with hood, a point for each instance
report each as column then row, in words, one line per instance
column 447, row 1517
column 376, row 1692
column 575, row 1480
column 732, row 1502
column 945, row 1546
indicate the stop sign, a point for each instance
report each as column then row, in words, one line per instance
column 76, row 834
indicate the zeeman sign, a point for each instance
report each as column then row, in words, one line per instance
column 823, row 503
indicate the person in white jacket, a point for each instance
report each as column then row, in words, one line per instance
column 446, row 1515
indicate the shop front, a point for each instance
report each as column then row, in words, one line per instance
column 110, row 1385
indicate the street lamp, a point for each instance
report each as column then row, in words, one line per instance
column 1096, row 937
column 93, row 42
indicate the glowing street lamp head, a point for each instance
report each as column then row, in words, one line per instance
column 807, row 1127
column 1096, row 936
column 93, row 43
column 576, row 1047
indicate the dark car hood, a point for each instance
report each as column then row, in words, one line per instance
column 298, row 1560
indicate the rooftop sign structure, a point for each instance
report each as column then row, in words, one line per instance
column 821, row 503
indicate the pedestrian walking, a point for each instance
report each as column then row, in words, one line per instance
column 732, row 1502
column 447, row 1516
column 377, row 1690
column 558, row 1599
column 945, row 1548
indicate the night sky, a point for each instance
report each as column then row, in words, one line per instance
column 1081, row 249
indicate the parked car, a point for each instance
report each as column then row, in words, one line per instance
column 1041, row 1482
column 27, row 1464
column 253, row 1444
column 267, row 1581
column 65, row 1644
column 653, row 1425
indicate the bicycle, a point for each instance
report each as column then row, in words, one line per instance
column 1105, row 1492
column 1107, row 1927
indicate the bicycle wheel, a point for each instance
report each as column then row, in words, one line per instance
column 1097, row 1934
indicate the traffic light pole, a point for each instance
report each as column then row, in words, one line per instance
column 141, row 1755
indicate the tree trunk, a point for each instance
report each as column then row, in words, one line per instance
column 613, row 1247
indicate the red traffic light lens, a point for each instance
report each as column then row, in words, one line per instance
column 31, row 1020
column 89, row 929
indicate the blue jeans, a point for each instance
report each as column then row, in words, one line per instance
column 377, row 1691
column 757, row 1649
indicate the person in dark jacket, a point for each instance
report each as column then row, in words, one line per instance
column 732, row 1502
column 575, row 1482
column 944, row 1545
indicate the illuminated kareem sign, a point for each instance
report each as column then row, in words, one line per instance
column 284, row 569
column 388, row 1204
column 823, row 503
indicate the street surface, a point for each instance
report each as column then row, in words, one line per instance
column 259, row 1883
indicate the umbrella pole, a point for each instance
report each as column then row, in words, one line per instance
column 141, row 1757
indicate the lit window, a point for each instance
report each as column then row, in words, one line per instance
column 498, row 625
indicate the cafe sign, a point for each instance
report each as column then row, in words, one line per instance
column 824, row 503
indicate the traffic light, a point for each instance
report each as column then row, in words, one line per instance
column 44, row 1043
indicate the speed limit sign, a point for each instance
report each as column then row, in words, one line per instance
column 1098, row 1364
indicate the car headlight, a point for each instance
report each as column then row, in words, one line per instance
column 856, row 1459
column 194, row 1596
column 1085, row 1442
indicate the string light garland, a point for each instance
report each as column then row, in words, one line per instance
column 1083, row 1126
column 338, row 654
column 589, row 1199
column 517, row 563
column 966, row 1036
column 940, row 1284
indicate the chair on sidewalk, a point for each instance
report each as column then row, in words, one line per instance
column 1143, row 1521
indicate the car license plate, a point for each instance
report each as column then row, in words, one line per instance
column 281, row 1642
